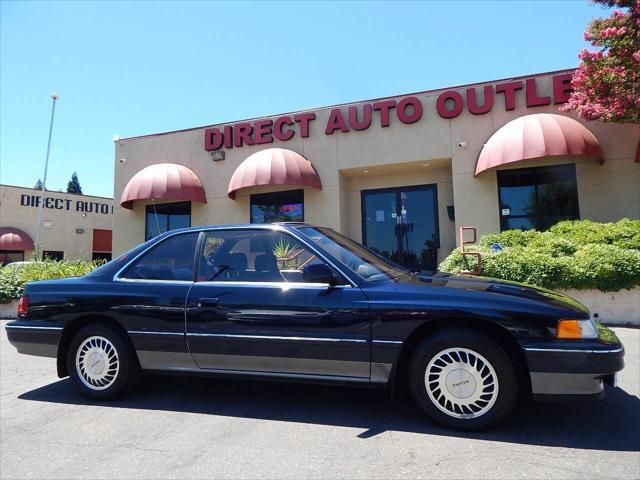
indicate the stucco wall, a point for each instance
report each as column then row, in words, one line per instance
column 394, row 156
column 61, row 235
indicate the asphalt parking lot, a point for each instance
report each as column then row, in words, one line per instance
column 176, row 427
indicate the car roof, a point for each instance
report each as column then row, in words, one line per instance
column 264, row 226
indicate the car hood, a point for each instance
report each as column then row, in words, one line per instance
column 501, row 287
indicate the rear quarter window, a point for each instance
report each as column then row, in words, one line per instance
column 171, row 259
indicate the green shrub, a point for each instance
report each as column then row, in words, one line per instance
column 573, row 254
column 13, row 280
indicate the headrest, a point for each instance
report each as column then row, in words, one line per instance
column 266, row 262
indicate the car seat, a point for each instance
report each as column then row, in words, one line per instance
column 266, row 267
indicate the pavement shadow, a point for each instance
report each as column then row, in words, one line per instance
column 612, row 424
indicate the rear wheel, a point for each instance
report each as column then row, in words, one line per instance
column 463, row 379
column 101, row 363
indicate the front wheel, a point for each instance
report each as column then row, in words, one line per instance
column 101, row 364
column 463, row 379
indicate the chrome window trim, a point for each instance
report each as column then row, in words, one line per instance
column 116, row 276
column 282, row 285
column 152, row 280
column 267, row 227
column 31, row 327
column 567, row 350
column 279, row 337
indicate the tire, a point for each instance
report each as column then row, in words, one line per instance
column 101, row 363
column 459, row 361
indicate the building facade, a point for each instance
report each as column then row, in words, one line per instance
column 399, row 174
column 73, row 226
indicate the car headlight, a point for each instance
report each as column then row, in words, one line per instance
column 570, row 329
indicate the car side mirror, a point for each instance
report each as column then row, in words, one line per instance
column 319, row 273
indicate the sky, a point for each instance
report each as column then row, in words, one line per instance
column 135, row 68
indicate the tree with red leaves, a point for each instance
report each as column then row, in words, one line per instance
column 607, row 82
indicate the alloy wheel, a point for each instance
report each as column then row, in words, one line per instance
column 97, row 363
column 461, row 383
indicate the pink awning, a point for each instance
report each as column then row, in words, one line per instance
column 537, row 136
column 274, row 166
column 15, row 239
column 163, row 181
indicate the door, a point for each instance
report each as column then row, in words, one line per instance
column 149, row 299
column 402, row 224
column 251, row 310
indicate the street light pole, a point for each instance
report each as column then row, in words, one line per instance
column 54, row 97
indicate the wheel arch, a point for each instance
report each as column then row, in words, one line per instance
column 493, row 330
column 71, row 329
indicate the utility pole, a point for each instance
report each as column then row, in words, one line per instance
column 54, row 97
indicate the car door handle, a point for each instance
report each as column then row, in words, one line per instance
column 208, row 302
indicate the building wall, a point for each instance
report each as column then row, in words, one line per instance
column 392, row 156
column 59, row 224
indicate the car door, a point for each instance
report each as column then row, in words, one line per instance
column 251, row 310
column 149, row 300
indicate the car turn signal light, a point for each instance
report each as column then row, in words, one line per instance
column 23, row 305
column 569, row 329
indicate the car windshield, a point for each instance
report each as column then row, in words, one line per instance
column 365, row 263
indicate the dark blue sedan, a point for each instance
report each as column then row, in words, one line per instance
column 305, row 303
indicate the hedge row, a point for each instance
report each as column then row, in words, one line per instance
column 13, row 280
column 576, row 254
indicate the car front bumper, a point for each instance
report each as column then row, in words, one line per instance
column 35, row 337
column 562, row 370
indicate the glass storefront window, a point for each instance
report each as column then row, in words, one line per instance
column 167, row 216
column 53, row 255
column 537, row 197
column 278, row 207
column 102, row 256
column 9, row 256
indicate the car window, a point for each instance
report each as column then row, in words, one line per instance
column 171, row 259
column 362, row 261
column 253, row 256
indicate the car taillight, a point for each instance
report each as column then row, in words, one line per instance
column 23, row 305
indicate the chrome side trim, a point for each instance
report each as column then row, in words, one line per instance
column 143, row 332
column 380, row 372
column 253, row 373
column 566, row 350
column 276, row 337
column 155, row 360
column 30, row 327
column 389, row 342
column 289, row 365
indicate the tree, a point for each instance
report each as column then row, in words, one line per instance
column 607, row 82
column 74, row 185
column 38, row 185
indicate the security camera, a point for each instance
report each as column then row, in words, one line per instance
column 116, row 138
column 463, row 144
column 123, row 160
